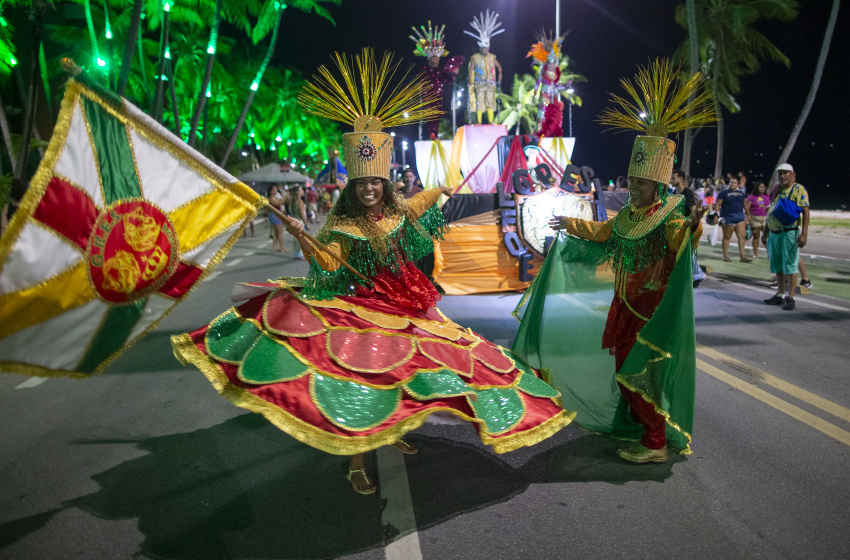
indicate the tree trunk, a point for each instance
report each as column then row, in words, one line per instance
column 92, row 35
column 241, row 121
column 693, row 42
column 718, row 163
column 129, row 46
column 174, row 107
column 110, row 71
column 142, row 65
column 7, row 135
column 163, row 43
column 813, row 90
column 202, row 94
column 38, row 11
column 235, row 134
column 45, row 80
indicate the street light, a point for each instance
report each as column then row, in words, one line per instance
column 403, row 155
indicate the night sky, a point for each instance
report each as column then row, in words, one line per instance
column 607, row 40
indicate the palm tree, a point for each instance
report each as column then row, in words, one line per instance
column 519, row 108
column 130, row 46
column 730, row 47
column 235, row 12
column 269, row 20
column 693, row 50
column 810, row 98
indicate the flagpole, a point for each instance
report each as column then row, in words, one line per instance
column 315, row 242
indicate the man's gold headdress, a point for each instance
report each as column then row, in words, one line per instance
column 659, row 105
column 369, row 104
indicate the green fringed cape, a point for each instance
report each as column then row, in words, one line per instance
column 406, row 242
column 563, row 315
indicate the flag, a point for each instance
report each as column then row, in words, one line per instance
column 120, row 222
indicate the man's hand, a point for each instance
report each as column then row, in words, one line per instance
column 558, row 222
column 696, row 217
column 801, row 241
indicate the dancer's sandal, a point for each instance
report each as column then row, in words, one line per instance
column 404, row 447
column 372, row 488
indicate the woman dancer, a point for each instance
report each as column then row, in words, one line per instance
column 347, row 362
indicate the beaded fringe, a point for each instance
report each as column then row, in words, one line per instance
column 406, row 244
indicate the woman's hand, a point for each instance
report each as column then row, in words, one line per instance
column 447, row 191
column 558, row 222
column 294, row 227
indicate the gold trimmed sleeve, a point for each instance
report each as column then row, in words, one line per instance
column 592, row 231
column 678, row 232
column 421, row 202
column 325, row 260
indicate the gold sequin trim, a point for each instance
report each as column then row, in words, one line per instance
column 338, row 444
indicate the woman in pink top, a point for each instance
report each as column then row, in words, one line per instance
column 756, row 207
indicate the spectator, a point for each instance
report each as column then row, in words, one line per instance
column 622, row 183
column 679, row 181
column 755, row 206
column 787, row 236
column 409, row 179
column 730, row 206
column 312, row 206
column 276, row 201
column 742, row 182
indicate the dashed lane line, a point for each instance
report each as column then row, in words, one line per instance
column 788, row 388
column 32, row 382
column 795, row 412
column 398, row 512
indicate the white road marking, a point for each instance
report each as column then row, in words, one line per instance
column 398, row 512
column 32, row 382
column 799, row 300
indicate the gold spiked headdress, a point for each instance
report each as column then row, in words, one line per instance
column 369, row 104
column 660, row 107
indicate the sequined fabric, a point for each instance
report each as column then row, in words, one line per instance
column 353, row 373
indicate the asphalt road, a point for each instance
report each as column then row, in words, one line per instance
column 148, row 461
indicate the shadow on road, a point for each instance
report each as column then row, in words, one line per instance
column 151, row 353
column 241, row 489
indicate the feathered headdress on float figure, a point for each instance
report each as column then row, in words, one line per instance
column 659, row 105
column 429, row 42
column 546, row 45
column 369, row 104
column 485, row 26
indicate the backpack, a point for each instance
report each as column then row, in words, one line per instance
column 786, row 211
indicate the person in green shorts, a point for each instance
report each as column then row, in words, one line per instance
column 785, row 240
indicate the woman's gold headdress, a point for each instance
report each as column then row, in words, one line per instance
column 365, row 99
column 659, row 105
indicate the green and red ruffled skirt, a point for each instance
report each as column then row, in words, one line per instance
column 351, row 374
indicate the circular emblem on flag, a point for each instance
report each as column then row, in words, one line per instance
column 131, row 252
column 366, row 150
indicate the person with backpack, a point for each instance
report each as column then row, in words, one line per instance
column 788, row 223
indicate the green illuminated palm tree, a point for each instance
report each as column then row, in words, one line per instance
column 269, row 21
